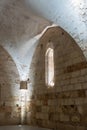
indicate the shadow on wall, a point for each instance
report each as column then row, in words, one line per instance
column 9, row 90
column 62, row 106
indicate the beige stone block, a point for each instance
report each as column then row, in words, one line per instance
column 58, row 88
column 65, row 127
column 52, row 102
column 76, row 74
column 84, row 85
column 64, row 117
column 52, row 109
column 58, row 109
column 38, row 116
column 2, row 115
column 83, row 72
column 67, row 101
column 45, row 116
column 85, row 77
column 75, row 118
column 45, row 109
column 70, row 87
column 77, row 86
column 80, row 101
column 81, row 128
column 74, row 80
column 38, row 102
column 80, row 109
column 56, row 117
column 81, row 79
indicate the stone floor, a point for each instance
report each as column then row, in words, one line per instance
column 20, row 127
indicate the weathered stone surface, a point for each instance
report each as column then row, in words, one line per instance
column 47, row 106
column 9, row 90
column 65, row 101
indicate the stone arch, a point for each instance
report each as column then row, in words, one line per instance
column 9, row 90
column 57, row 35
column 68, row 96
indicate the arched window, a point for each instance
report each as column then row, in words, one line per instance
column 49, row 67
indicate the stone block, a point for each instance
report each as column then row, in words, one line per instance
column 64, row 118
column 75, row 118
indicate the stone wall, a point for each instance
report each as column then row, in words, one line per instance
column 64, row 105
column 9, row 90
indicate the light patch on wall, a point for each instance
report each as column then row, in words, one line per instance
column 25, row 95
column 23, row 100
column 49, row 66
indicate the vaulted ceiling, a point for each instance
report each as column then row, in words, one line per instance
column 71, row 15
column 19, row 28
column 17, row 23
column 21, row 22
